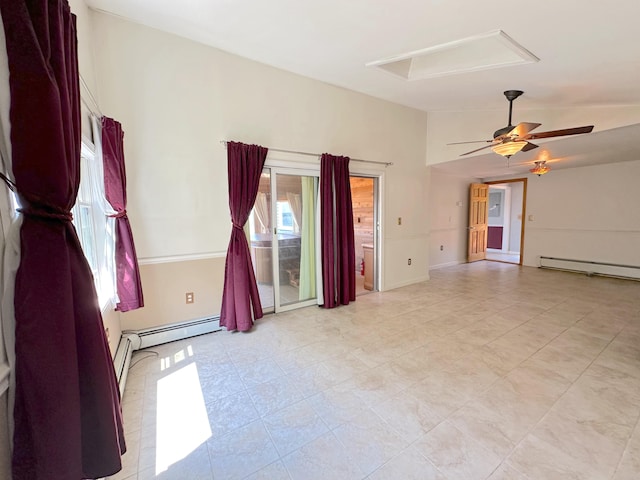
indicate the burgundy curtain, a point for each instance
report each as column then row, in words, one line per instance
column 129, row 286
column 240, row 295
column 68, row 423
column 336, row 230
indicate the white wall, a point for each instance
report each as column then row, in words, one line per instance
column 588, row 213
column 505, row 206
column 449, row 220
column 177, row 99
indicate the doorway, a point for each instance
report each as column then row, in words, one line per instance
column 364, row 199
column 284, row 229
column 505, row 215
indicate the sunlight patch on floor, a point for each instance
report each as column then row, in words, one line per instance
column 182, row 420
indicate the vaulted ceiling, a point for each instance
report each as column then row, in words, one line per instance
column 589, row 53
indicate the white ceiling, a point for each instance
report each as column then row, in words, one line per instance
column 589, row 52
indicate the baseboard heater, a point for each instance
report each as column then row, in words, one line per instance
column 591, row 268
column 122, row 360
column 132, row 340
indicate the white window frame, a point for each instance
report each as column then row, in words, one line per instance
column 103, row 271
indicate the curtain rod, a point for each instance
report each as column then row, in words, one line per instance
column 95, row 103
column 310, row 154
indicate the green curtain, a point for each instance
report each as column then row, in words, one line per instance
column 307, row 241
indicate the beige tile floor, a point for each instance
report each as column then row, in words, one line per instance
column 499, row 256
column 487, row 371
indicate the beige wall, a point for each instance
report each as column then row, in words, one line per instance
column 165, row 286
column 449, row 220
column 84, row 25
column 587, row 213
column 177, row 99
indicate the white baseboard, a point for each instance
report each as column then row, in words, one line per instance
column 407, row 283
column 445, row 265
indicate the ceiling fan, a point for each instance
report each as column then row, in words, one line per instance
column 510, row 140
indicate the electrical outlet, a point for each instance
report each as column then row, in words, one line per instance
column 441, row 247
column 189, row 297
column 409, row 261
column 399, row 220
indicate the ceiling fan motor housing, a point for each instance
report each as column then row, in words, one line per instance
column 511, row 96
column 510, row 140
column 502, row 131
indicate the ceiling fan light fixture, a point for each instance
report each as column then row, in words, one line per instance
column 540, row 168
column 507, row 149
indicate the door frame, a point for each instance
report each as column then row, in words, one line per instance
column 299, row 163
column 378, row 182
column 524, row 210
column 376, row 224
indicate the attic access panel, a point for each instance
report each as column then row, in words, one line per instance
column 481, row 52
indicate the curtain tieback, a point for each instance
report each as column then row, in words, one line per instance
column 57, row 214
column 239, row 227
column 45, row 211
column 119, row 214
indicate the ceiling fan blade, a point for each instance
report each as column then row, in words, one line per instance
column 472, row 141
column 476, row 150
column 522, row 129
column 529, row 146
column 560, row 133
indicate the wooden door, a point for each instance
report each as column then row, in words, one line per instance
column 478, row 212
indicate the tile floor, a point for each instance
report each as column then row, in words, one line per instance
column 290, row 294
column 499, row 256
column 487, row 371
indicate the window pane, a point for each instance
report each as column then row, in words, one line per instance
column 296, row 238
column 87, row 238
column 261, row 236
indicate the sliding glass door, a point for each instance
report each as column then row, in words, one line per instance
column 283, row 239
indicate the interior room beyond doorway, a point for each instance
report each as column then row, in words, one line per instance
column 505, row 214
column 364, row 223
